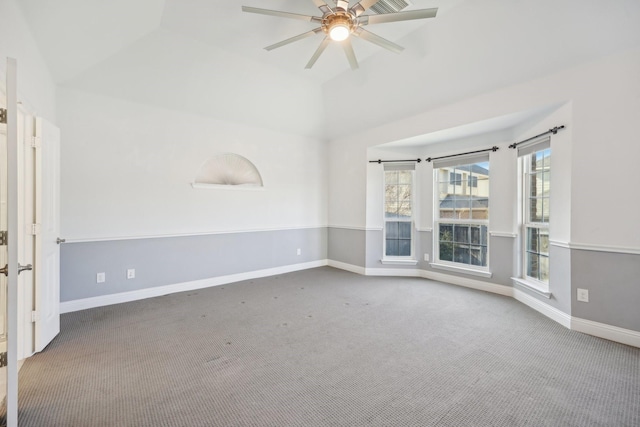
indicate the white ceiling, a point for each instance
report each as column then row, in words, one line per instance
column 207, row 56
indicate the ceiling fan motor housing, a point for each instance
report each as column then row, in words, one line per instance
column 338, row 19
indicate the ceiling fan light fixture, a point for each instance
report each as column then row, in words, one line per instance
column 338, row 26
column 339, row 32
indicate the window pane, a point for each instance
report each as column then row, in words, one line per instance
column 532, row 265
column 461, row 233
column 446, row 233
column 463, row 194
column 446, row 251
column 546, row 154
column 404, row 247
column 544, row 242
column 475, row 235
column 545, row 209
column 544, row 268
column 535, row 210
column 532, row 239
column 461, row 254
column 480, row 208
column 404, row 230
column 392, row 231
column 478, row 255
column 392, row 248
column 391, row 211
column 404, row 210
column 447, row 207
column 398, row 205
column 391, row 177
column 536, row 244
column 404, row 177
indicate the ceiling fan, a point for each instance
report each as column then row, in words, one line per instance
column 340, row 22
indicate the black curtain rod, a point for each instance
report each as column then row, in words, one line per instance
column 553, row 131
column 430, row 159
column 394, row 161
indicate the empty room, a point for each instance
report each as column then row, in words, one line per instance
column 319, row 213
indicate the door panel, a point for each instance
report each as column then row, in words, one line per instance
column 47, row 249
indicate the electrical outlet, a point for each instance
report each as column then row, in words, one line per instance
column 101, row 277
column 583, row 295
column 426, row 257
column 299, row 251
column 131, row 273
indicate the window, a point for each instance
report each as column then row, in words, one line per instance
column 398, row 211
column 462, row 217
column 535, row 229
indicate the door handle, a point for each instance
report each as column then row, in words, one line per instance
column 5, row 270
column 59, row 240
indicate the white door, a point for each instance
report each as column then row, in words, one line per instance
column 47, row 245
column 9, row 216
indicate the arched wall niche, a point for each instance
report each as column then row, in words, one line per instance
column 228, row 171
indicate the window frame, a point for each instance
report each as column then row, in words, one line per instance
column 438, row 221
column 399, row 258
column 526, row 222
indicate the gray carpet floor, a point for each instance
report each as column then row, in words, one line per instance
column 324, row 347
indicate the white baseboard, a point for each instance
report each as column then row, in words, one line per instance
column 602, row 330
column 551, row 312
column 397, row 272
column 468, row 283
column 347, row 267
column 83, row 304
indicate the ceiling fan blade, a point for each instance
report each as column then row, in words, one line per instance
column 351, row 56
column 375, row 39
column 294, row 39
column 322, row 5
column 362, row 6
column 398, row 16
column 318, row 52
column 270, row 12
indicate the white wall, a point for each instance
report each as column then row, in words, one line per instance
column 605, row 104
column 36, row 89
column 127, row 169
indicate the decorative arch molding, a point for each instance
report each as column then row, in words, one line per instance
column 228, row 171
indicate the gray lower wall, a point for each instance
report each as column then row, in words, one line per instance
column 612, row 279
column 613, row 282
column 559, row 280
column 171, row 260
column 347, row 245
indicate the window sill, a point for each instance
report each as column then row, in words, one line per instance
column 464, row 270
column 390, row 261
column 532, row 286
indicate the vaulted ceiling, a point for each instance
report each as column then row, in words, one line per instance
column 207, row 56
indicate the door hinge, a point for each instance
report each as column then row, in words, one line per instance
column 3, row 359
column 3, row 115
column 35, row 229
column 3, row 238
column 35, row 316
column 36, row 142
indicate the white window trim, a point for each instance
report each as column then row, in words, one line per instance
column 449, row 265
column 532, row 283
column 456, row 267
column 411, row 259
